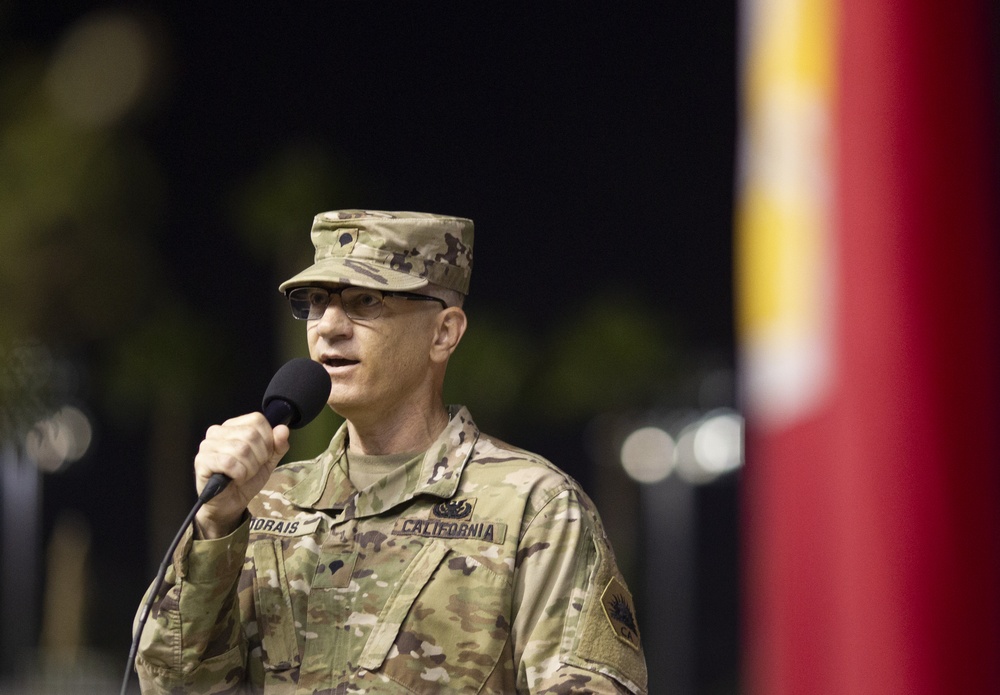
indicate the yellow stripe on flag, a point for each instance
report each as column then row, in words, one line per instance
column 783, row 237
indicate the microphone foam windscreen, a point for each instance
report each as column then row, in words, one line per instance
column 304, row 384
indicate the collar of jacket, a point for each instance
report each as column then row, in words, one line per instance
column 324, row 484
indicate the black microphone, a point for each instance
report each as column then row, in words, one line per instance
column 296, row 395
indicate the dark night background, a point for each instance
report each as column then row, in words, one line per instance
column 593, row 145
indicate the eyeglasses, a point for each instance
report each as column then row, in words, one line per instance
column 359, row 303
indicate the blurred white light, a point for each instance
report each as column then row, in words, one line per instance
column 647, row 454
column 60, row 439
column 718, row 443
column 688, row 466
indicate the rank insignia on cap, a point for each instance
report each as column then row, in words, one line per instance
column 620, row 612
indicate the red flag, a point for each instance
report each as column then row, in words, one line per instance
column 873, row 502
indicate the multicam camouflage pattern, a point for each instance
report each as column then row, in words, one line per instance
column 478, row 568
column 389, row 250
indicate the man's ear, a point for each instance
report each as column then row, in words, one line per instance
column 450, row 327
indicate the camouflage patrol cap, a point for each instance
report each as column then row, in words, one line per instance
column 389, row 250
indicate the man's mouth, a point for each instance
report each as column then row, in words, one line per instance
column 336, row 362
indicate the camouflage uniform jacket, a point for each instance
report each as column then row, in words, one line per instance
column 482, row 569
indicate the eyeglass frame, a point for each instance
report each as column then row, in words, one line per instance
column 413, row 296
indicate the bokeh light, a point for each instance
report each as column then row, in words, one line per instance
column 718, row 442
column 647, row 454
column 60, row 439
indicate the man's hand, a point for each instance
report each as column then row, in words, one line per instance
column 247, row 450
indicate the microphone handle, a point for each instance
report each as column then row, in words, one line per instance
column 278, row 411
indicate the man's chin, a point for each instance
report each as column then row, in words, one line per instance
column 346, row 407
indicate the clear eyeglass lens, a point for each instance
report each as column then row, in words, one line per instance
column 300, row 300
column 361, row 303
column 310, row 303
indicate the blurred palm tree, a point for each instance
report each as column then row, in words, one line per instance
column 85, row 299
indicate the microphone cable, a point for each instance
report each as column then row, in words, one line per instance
column 154, row 591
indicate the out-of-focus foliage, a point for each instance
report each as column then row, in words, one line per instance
column 490, row 369
column 612, row 353
column 27, row 391
column 80, row 195
column 173, row 355
column 608, row 353
column 69, row 198
column 274, row 207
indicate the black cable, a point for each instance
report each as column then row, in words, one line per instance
column 154, row 591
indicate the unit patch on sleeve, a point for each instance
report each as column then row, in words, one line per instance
column 620, row 611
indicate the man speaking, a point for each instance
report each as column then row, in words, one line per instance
column 415, row 554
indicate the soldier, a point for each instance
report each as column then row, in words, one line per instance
column 415, row 554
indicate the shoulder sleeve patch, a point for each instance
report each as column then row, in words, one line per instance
column 620, row 612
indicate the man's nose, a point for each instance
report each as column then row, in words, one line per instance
column 334, row 319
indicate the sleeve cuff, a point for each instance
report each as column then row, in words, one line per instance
column 207, row 560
